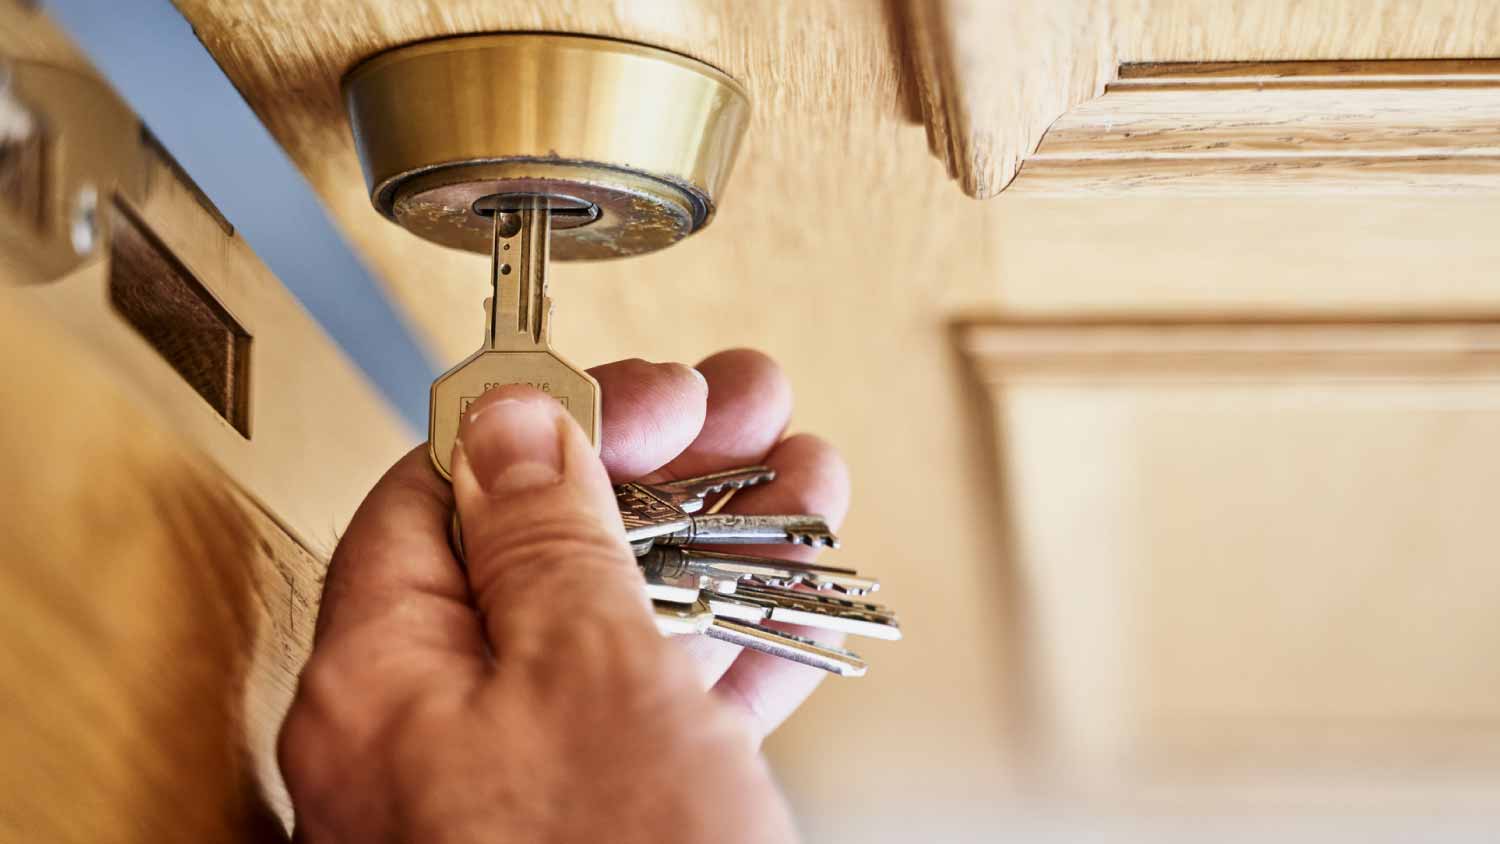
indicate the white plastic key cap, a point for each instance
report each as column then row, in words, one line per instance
column 681, row 619
column 517, row 347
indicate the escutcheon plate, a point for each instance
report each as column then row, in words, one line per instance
column 647, row 135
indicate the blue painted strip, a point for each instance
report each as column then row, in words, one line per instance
column 156, row 62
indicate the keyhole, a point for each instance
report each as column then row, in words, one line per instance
column 567, row 212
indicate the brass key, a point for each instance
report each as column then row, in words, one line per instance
column 518, row 344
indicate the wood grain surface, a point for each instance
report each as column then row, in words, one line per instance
column 836, row 86
column 1283, row 128
column 127, row 614
column 987, row 78
column 180, row 444
column 991, row 77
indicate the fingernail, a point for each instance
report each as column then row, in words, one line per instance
column 699, row 376
column 513, row 444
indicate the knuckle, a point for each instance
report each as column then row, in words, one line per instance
column 758, row 366
column 607, row 673
column 750, row 359
column 615, row 652
column 295, row 747
column 762, row 391
column 553, row 552
column 323, row 688
column 339, row 715
column 825, row 458
column 634, row 366
column 816, row 474
column 308, row 746
column 813, row 446
column 581, row 643
column 329, row 712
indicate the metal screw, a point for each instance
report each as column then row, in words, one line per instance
column 17, row 123
column 84, row 229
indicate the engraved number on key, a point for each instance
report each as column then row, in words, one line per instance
column 518, row 346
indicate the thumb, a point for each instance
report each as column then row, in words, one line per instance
column 543, row 541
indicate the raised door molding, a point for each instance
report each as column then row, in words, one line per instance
column 991, row 77
column 1113, row 351
column 1257, row 558
column 1278, row 129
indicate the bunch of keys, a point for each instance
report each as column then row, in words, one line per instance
column 729, row 597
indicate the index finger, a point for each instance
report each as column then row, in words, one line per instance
column 393, row 566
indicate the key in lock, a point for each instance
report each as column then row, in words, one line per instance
column 518, row 346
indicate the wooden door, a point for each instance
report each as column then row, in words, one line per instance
column 1088, row 291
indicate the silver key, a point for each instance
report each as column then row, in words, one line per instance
column 809, row 610
column 688, row 495
column 651, row 510
column 658, row 567
column 646, row 517
column 729, row 529
column 766, row 571
column 518, row 344
column 787, row 646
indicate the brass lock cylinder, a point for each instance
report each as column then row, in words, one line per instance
column 636, row 140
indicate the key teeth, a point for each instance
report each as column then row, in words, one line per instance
column 736, row 484
column 840, row 588
column 821, row 596
column 816, row 540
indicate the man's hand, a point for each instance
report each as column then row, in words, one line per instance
column 530, row 697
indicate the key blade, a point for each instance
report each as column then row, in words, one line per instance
column 665, row 577
column 689, row 493
column 771, row 571
column 788, row 646
column 822, row 611
column 516, row 348
column 519, row 251
column 843, row 584
column 819, row 599
column 726, row 529
column 839, row 623
column 695, row 554
column 727, row 568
